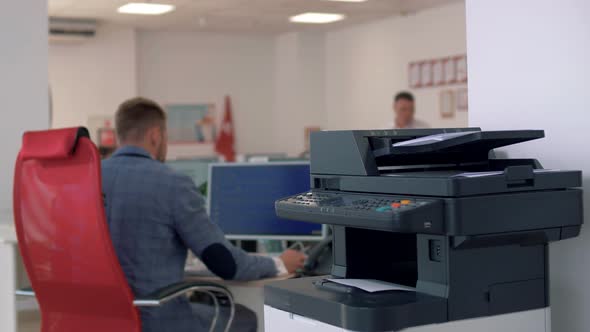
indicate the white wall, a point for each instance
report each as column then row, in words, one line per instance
column 185, row 67
column 279, row 85
column 298, row 89
column 529, row 68
column 24, row 85
column 367, row 64
column 93, row 77
column 362, row 74
column 432, row 34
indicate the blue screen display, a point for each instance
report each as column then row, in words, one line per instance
column 242, row 198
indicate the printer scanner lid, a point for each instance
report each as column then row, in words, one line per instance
column 468, row 146
column 428, row 162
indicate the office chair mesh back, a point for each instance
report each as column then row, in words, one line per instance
column 64, row 238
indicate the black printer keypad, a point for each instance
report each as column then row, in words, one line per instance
column 365, row 210
column 334, row 202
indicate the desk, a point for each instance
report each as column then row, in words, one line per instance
column 8, row 242
column 247, row 293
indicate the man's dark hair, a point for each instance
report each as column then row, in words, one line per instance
column 135, row 116
column 404, row 95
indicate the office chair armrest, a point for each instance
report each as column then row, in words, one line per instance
column 170, row 292
column 29, row 292
column 162, row 295
column 215, row 291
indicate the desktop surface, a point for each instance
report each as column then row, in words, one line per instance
column 242, row 200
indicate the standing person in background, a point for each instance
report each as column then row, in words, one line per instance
column 404, row 111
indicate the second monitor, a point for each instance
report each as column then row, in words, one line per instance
column 242, row 200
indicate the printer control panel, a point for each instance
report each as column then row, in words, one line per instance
column 364, row 210
column 329, row 202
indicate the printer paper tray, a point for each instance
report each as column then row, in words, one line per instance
column 386, row 311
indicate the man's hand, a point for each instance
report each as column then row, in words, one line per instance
column 293, row 260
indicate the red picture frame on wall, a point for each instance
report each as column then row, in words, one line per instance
column 449, row 71
column 438, row 77
column 462, row 100
column 447, row 103
column 461, row 68
column 426, row 73
column 414, row 80
column 438, row 72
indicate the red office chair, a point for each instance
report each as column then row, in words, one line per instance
column 65, row 244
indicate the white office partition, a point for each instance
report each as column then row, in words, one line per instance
column 529, row 67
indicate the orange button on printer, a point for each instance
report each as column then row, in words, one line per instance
column 396, row 205
column 406, row 201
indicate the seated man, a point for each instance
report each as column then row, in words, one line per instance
column 155, row 215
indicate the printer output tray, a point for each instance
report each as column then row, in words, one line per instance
column 363, row 311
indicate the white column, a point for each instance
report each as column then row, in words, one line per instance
column 529, row 67
column 7, row 287
column 24, row 94
column 24, row 106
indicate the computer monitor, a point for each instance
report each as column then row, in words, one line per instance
column 288, row 159
column 197, row 169
column 276, row 160
column 255, row 157
column 242, row 200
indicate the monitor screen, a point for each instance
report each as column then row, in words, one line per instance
column 242, row 200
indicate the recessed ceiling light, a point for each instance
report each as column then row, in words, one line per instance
column 142, row 8
column 316, row 18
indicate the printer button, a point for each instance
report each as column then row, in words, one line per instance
column 383, row 209
column 406, row 201
column 396, row 205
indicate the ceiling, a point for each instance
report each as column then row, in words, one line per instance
column 232, row 16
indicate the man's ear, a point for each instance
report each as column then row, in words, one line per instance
column 153, row 135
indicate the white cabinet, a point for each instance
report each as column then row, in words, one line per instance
column 528, row 321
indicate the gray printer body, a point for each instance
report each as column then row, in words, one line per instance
column 429, row 209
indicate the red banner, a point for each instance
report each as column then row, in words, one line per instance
column 226, row 138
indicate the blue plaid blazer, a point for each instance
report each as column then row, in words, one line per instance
column 155, row 216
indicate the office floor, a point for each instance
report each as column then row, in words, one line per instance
column 29, row 321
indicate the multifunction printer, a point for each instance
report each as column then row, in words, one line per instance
column 431, row 232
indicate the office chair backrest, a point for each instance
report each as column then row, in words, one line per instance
column 64, row 238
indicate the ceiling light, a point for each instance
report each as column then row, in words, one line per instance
column 316, row 18
column 145, row 8
column 347, row 0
